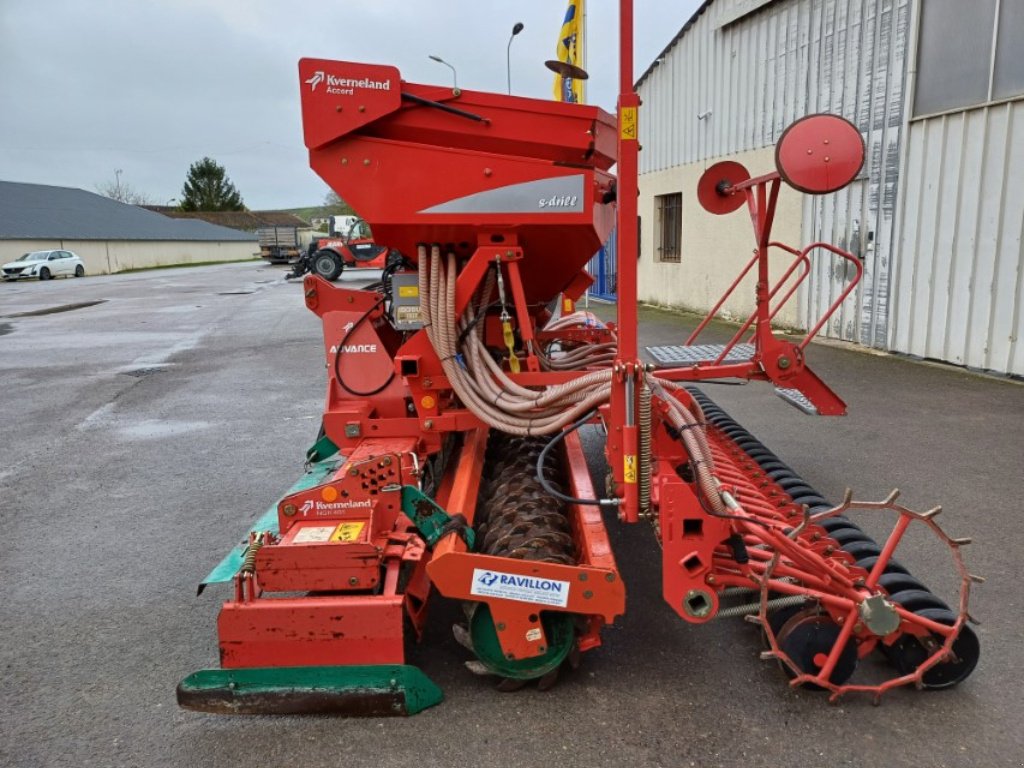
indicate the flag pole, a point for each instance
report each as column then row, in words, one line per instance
column 584, row 45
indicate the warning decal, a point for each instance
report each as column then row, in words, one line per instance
column 348, row 531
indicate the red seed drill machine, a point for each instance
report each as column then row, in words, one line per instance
column 450, row 460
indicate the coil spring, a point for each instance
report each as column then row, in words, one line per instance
column 516, row 517
column 249, row 561
column 644, row 459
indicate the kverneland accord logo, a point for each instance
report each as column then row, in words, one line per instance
column 345, row 85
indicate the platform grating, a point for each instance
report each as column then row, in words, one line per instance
column 798, row 400
column 677, row 355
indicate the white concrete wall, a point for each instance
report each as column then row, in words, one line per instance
column 713, row 248
column 107, row 256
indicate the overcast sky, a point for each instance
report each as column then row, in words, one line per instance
column 149, row 86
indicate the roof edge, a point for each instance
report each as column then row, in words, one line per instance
column 672, row 43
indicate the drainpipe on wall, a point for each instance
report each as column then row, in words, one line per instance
column 893, row 298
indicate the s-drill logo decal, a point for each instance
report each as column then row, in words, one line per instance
column 558, row 201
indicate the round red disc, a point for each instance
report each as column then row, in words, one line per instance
column 819, row 154
column 712, row 189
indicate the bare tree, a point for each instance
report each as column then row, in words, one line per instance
column 333, row 204
column 123, row 192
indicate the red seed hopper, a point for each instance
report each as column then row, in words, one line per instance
column 429, row 164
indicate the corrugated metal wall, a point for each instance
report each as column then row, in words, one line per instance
column 757, row 75
column 958, row 289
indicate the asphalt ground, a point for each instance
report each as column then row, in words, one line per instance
column 141, row 436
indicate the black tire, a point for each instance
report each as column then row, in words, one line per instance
column 328, row 265
column 800, row 490
column 837, row 523
column 907, row 654
column 44, row 274
column 845, row 536
column 893, row 566
column 898, row 582
column 811, row 500
column 861, row 549
column 804, row 638
column 917, row 600
column 79, row 271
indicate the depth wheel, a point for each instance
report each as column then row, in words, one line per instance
column 808, row 638
column 558, row 628
column 910, row 652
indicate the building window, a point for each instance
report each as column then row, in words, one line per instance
column 670, row 226
column 969, row 53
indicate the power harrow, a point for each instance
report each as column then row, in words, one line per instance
column 451, row 460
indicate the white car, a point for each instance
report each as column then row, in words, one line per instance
column 42, row 265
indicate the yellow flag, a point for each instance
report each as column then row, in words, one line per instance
column 570, row 50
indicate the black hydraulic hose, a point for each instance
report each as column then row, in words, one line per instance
column 341, row 346
column 558, row 438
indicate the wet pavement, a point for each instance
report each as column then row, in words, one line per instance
column 149, row 418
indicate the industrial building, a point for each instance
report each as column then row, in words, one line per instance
column 109, row 236
column 936, row 88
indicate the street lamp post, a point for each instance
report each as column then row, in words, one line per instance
column 508, row 53
column 455, row 75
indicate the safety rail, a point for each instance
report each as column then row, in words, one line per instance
column 802, row 258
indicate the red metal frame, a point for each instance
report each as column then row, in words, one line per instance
column 425, row 164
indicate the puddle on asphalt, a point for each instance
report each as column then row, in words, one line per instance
column 140, row 373
column 58, row 308
column 152, row 429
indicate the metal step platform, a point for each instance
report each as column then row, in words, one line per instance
column 798, row 400
column 680, row 356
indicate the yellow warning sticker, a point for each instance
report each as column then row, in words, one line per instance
column 627, row 123
column 348, row 531
column 408, row 291
column 629, row 468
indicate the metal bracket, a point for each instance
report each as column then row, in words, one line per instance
column 432, row 520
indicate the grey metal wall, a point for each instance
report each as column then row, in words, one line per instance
column 759, row 72
column 958, row 289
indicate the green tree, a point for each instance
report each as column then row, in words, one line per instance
column 208, row 188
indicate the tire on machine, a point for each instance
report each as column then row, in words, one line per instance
column 328, row 265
